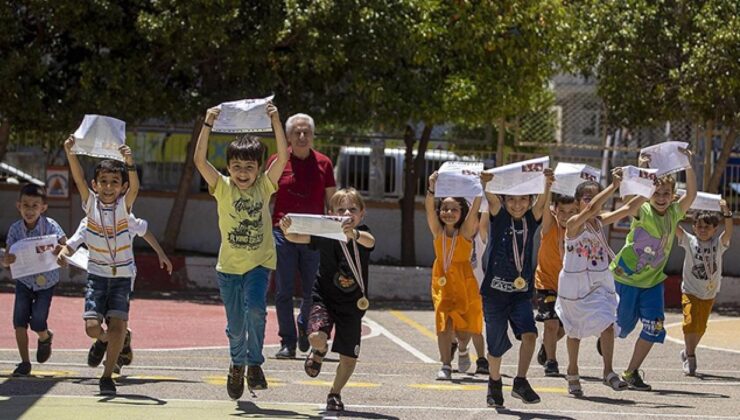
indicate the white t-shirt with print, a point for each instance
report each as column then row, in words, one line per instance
column 696, row 280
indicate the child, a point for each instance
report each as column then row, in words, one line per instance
column 337, row 299
column 457, row 305
column 479, row 248
column 111, row 264
column 549, row 264
column 32, row 293
column 247, row 251
column 702, row 274
column 638, row 267
column 508, row 286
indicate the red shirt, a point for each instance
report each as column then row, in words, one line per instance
column 302, row 185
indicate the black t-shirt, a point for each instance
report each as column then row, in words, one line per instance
column 335, row 282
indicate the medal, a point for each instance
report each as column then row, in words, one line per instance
column 447, row 257
column 363, row 303
column 114, row 250
column 519, row 282
column 355, row 265
column 114, row 271
column 41, row 280
column 442, row 281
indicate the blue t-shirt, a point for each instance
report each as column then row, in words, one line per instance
column 500, row 268
column 44, row 226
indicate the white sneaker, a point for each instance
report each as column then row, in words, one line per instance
column 689, row 364
column 463, row 361
column 445, row 373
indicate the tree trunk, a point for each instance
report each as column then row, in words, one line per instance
column 708, row 146
column 719, row 169
column 4, row 137
column 500, row 144
column 412, row 169
column 181, row 197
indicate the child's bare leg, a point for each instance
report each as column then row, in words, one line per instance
column 463, row 339
column 607, row 349
column 526, row 350
column 691, row 340
column 550, row 338
column 344, row 372
column 642, row 348
column 480, row 349
column 318, row 341
column 574, row 345
column 93, row 329
column 21, row 339
column 116, row 335
column 444, row 342
column 43, row 335
column 494, row 369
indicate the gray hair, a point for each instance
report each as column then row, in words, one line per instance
column 295, row 117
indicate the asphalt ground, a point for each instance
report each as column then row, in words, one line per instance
column 181, row 361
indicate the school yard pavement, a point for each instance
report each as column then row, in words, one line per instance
column 181, row 358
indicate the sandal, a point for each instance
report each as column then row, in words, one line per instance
column 574, row 385
column 334, row 403
column 311, row 366
column 612, row 380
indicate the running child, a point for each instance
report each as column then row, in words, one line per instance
column 247, row 251
column 33, row 294
column 479, row 248
column 339, row 292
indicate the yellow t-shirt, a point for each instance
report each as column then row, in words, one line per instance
column 245, row 225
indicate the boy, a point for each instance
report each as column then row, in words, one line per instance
column 702, row 275
column 111, row 265
column 508, row 287
column 336, row 295
column 32, row 293
column 247, row 251
column 638, row 267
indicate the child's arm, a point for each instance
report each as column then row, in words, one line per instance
column 76, row 169
column 164, row 261
column 483, row 227
column 362, row 237
column 726, row 236
column 688, row 198
column 133, row 177
column 680, row 233
column 574, row 224
column 209, row 173
column 470, row 225
column 432, row 220
column 543, row 200
column 631, row 208
column 494, row 204
column 296, row 238
column 277, row 167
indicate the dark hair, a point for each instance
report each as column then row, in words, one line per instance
column 583, row 186
column 33, row 190
column 464, row 209
column 708, row 217
column 246, row 147
column 111, row 166
column 562, row 199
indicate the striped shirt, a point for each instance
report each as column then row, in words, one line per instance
column 44, row 226
column 108, row 239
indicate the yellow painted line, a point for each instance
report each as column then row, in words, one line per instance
column 349, row 385
column 42, row 374
column 458, row 387
column 152, row 377
column 422, row 329
column 221, row 381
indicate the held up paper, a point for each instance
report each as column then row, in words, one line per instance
column 79, row 258
column 666, row 158
column 318, row 225
column 243, row 116
column 637, row 181
column 520, row 178
column 459, row 179
column 703, row 200
column 100, row 136
column 569, row 175
column 33, row 256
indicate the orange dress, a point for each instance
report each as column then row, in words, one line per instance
column 459, row 299
column 549, row 258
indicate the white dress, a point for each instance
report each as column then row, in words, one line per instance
column 587, row 301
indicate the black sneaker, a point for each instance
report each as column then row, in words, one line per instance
column 256, row 378
column 481, row 366
column 524, row 391
column 542, row 355
column 43, row 351
column 22, row 369
column 96, row 353
column 107, row 386
column 634, row 381
column 598, row 346
column 127, row 353
column 334, row 403
column 551, row 368
column 303, row 344
column 285, row 353
column 495, row 396
column 235, row 382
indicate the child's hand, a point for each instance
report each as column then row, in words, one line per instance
column 549, row 176
column 689, row 154
column 212, row 115
column 349, row 231
column 485, row 177
column 61, row 260
column 285, row 223
column 8, row 259
column 433, row 180
column 617, row 177
column 644, row 160
column 128, row 157
column 165, row 262
column 724, row 207
column 272, row 112
column 69, row 143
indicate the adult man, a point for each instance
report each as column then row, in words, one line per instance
column 305, row 186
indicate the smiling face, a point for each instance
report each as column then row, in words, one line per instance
column 300, row 136
column 243, row 173
column 662, row 198
column 517, row 205
column 109, row 186
column 348, row 207
column 563, row 212
column 31, row 208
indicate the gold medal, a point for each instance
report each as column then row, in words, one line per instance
column 41, row 280
column 520, row 283
column 114, row 271
column 363, row 303
column 442, row 281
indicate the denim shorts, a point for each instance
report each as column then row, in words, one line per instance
column 645, row 305
column 499, row 312
column 107, row 297
column 31, row 307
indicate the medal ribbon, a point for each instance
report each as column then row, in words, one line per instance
column 113, row 251
column 599, row 234
column 708, row 266
column 354, row 264
column 447, row 257
column 519, row 258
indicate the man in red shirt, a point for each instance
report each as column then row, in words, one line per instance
column 305, row 186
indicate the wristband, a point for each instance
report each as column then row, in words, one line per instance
column 357, row 234
column 131, row 168
column 208, row 125
column 727, row 216
column 430, row 191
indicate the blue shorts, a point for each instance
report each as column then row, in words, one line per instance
column 107, row 297
column 515, row 309
column 643, row 304
column 31, row 307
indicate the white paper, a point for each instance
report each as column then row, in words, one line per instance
column 79, row 258
column 243, row 116
column 100, row 136
column 666, row 158
column 318, row 225
column 637, row 181
column 569, row 175
column 33, row 256
column 520, row 178
column 459, row 179
column 703, row 200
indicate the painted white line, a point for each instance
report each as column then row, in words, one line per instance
column 406, row 346
column 678, row 341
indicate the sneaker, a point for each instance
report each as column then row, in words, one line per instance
column 127, row 353
column 598, row 346
column 107, row 386
column 43, row 351
column 334, row 403
column 634, row 381
column 542, row 355
column 22, row 369
column 481, row 366
column 303, row 344
column 96, row 353
column 235, row 382
column 689, row 364
column 551, row 368
column 285, row 353
column 524, row 391
column 445, row 373
column 495, row 396
column 256, row 378
column 463, row 361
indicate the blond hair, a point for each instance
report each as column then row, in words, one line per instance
column 666, row 180
column 349, row 193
